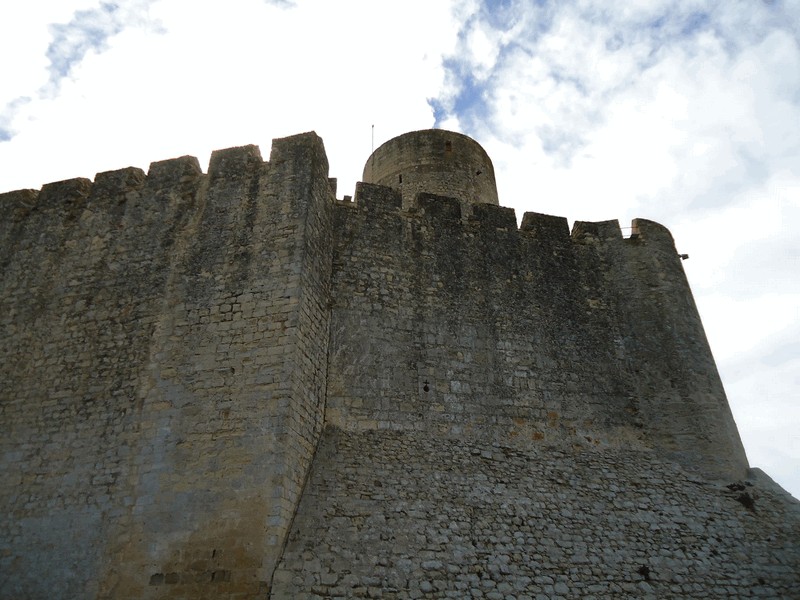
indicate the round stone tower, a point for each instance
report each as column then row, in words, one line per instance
column 435, row 161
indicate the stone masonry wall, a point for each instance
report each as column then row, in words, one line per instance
column 163, row 359
column 504, row 411
column 475, row 327
column 83, row 273
column 403, row 514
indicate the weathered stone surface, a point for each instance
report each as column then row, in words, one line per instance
column 458, row 323
column 505, row 413
column 159, row 405
column 428, row 516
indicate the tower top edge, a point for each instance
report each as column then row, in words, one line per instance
column 430, row 134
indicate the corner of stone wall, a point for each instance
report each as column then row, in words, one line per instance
column 299, row 178
column 681, row 399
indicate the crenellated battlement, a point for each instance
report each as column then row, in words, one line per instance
column 446, row 211
column 163, row 175
column 184, row 173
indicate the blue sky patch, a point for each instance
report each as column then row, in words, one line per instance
column 7, row 115
column 468, row 103
column 500, row 14
column 695, row 22
column 88, row 30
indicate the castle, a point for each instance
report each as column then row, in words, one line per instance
column 233, row 385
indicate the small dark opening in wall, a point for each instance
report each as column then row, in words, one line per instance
column 747, row 501
column 425, row 387
column 221, row 576
column 448, row 146
column 478, row 172
column 400, row 178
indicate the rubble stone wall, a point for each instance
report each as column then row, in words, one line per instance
column 399, row 515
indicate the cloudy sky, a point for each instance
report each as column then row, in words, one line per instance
column 686, row 112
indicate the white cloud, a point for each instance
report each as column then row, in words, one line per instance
column 25, row 35
column 241, row 73
column 762, row 385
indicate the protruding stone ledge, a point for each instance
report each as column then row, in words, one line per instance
column 234, row 162
column 545, row 227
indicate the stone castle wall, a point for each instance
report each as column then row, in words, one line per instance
column 403, row 515
column 175, row 346
column 471, row 326
column 163, row 373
